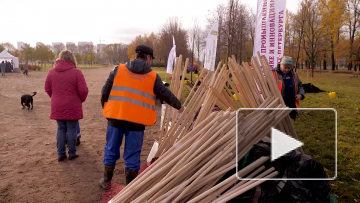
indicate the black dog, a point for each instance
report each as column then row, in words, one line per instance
column 27, row 100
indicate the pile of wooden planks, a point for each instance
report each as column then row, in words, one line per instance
column 196, row 153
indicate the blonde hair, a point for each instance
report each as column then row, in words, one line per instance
column 68, row 56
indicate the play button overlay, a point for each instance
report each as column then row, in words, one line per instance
column 316, row 129
column 282, row 144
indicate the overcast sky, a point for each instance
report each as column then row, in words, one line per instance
column 114, row 21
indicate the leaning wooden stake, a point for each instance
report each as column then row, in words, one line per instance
column 195, row 154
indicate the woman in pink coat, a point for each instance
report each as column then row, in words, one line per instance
column 66, row 86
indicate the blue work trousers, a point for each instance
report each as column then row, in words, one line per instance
column 132, row 149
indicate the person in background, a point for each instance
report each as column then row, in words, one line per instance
column 128, row 101
column 2, row 67
column 12, row 66
column 8, row 66
column 289, row 84
column 66, row 86
column 26, row 68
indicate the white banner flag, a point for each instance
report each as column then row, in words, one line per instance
column 171, row 60
column 173, row 41
column 270, row 30
column 211, row 45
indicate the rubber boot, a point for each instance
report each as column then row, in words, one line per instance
column 105, row 182
column 130, row 175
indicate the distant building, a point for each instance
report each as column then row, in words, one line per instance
column 85, row 47
column 99, row 49
column 84, row 43
column 71, row 46
column 54, row 45
column 19, row 45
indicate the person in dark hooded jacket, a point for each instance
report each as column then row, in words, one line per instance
column 289, row 84
column 128, row 101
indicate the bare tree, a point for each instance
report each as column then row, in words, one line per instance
column 252, row 24
column 353, row 14
column 172, row 28
column 313, row 31
column 242, row 31
column 194, row 40
column 57, row 48
column 298, row 26
column 71, row 47
column 8, row 47
column 199, row 42
column 116, row 53
column 236, row 30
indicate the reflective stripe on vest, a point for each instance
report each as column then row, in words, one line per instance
column 134, row 91
column 132, row 98
column 132, row 101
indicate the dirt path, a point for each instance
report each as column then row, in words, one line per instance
column 29, row 169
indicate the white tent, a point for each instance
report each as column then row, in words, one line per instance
column 5, row 55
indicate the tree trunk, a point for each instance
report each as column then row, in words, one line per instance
column 320, row 67
column 298, row 51
column 313, row 64
column 332, row 56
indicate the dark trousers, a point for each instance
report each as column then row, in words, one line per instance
column 68, row 127
column 25, row 72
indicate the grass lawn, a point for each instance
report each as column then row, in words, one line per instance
column 347, row 104
column 162, row 72
column 166, row 77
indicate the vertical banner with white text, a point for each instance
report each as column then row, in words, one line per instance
column 211, row 45
column 270, row 30
column 171, row 60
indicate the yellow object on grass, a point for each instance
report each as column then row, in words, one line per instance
column 235, row 97
column 185, row 81
column 332, row 94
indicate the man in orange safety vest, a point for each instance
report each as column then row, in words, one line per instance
column 128, row 101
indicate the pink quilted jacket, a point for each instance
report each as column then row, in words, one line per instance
column 66, row 86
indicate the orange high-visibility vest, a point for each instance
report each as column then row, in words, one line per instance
column 132, row 97
column 280, row 84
